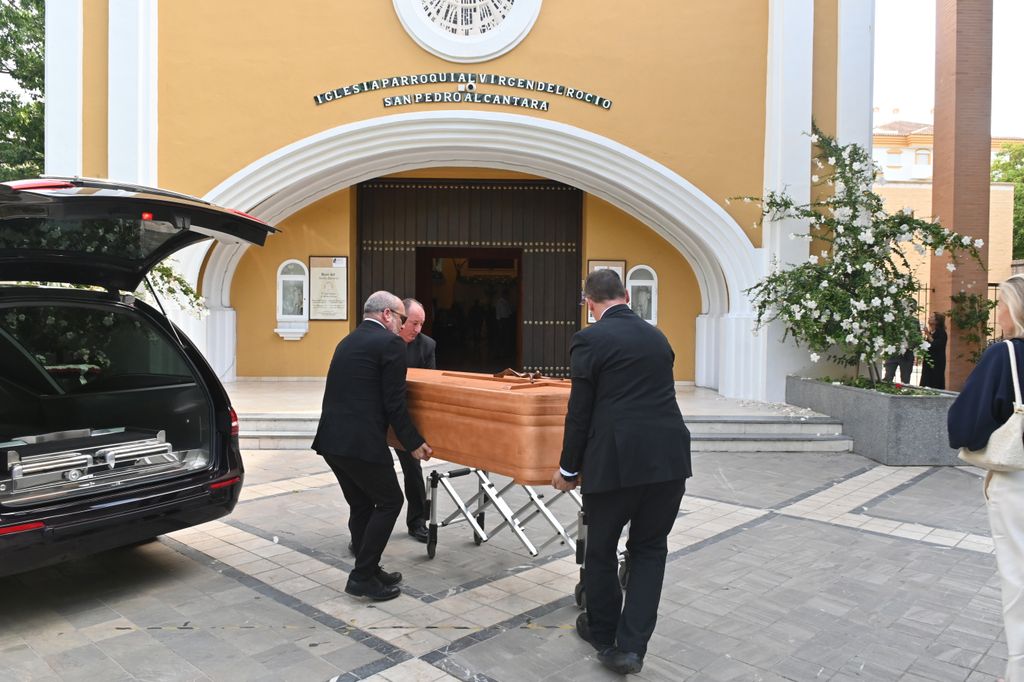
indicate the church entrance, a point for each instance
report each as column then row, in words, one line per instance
column 495, row 263
column 472, row 298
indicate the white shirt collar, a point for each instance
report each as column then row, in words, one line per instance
column 373, row 319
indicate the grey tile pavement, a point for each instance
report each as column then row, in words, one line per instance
column 946, row 498
column 761, row 596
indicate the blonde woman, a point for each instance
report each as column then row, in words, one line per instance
column 984, row 405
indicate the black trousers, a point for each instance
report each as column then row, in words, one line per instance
column 374, row 501
column 415, row 490
column 651, row 511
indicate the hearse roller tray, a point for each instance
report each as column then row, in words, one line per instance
column 507, row 425
column 68, row 463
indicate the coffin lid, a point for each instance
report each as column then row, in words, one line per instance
column 109, row 234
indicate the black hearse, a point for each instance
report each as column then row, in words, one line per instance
column 113, row 428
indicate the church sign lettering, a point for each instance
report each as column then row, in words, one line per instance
column 467, row 91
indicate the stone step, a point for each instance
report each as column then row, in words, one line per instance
column 306, row 422
column 712, row 442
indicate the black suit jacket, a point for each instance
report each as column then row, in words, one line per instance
column 365, row 392
column 623, row 427
column 420, row 353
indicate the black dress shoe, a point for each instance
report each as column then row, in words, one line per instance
column 388, row 578
column 420, row 533
column 373, row 588
column 622, row 662
column 583, row 630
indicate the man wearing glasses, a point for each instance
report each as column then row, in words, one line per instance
column 365, row 393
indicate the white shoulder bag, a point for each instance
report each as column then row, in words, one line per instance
column 1005, row 449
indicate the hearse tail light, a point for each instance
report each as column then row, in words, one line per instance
column 21, row 528
column 25, row 185
column 224, row 484
column 234, row 421
column 246, row 215
column 146, row 215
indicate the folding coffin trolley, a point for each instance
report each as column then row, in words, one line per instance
column 517, row 421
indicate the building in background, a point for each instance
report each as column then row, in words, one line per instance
column 903, row 151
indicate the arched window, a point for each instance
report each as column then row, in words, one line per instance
column 642, row 285
column 292, row 300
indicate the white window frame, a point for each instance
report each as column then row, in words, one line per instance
column 292, row 327
column 631, row 280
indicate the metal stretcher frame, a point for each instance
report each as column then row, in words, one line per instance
column 473, row 510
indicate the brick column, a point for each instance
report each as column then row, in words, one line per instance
column 960, row 179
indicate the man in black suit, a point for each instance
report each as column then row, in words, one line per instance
column 365, row 393
column 419, row 350
column 625, row 439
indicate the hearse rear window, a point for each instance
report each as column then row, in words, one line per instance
column 86, row 349
column 129, row 239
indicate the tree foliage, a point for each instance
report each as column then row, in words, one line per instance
column 1008, row 166
column 857, row 302
column 21, row 109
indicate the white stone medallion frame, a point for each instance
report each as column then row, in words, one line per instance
column 507, row 24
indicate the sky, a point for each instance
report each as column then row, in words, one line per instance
column 905, row 63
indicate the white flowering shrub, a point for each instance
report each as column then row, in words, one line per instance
column 857, row 301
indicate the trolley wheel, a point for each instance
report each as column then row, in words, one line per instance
column 624, row 570
column 580, row 595
column 480, row 516
column 431, row 549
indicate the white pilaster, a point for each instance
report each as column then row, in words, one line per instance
column 787, row 145
column 63, row 95
column 221, row 337
column 132, row 93
column 706, row 361
column 855, row 72
column 743, row 364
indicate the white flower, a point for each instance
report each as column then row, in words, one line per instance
column 868, row 267
column 887, row 300
column 939, row 251
column 889, row 350
column 811, row 304
column 925, row 345
column 978, row 243
column 814, row 139
column 823, row 285
column 831, row 160
column 815, row 357
column 875, row 302
column 850, row 338
column 892, row 288
column 966, row 241
column 950, row 266
column 812, row 259
column 815, row 178
column 746, row 200
column 888, row 317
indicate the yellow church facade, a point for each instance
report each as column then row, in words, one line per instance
column 463, row 154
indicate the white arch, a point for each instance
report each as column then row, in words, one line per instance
column 288, row 179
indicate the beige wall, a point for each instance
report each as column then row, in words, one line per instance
column 94, row 87
column 322, row 229
column 918, row 196
column 236, row 84
column 611, row 234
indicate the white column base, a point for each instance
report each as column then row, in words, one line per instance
column 221, row 335
column 706, row 364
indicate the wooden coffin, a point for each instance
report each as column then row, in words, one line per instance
column 508, row 425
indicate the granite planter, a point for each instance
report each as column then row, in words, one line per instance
column 897, row 430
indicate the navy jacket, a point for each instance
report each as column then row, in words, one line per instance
column 623, row 427
column 986, row 401
column 365, row 393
